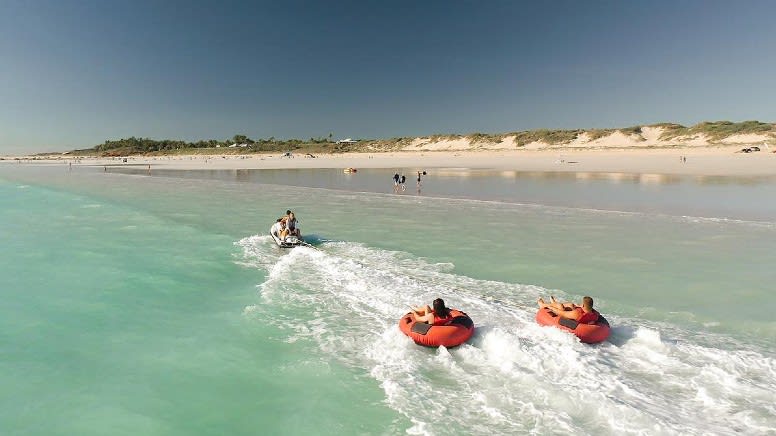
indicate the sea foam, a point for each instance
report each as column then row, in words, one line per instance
column 513, row 376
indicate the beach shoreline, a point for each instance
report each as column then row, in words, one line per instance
column 706, row 161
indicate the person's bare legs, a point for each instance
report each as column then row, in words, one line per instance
column 422, row 310
column 542, row 304
column 553, row 304
column 563, row 306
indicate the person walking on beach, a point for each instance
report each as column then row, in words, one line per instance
column 396, row 182
column 401, row 182
column 419, row 179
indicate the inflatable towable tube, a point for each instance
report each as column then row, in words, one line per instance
column 587, row 333
column 457, row 331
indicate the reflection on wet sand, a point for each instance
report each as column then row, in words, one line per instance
column 614, row 177
column 707, row 196
column 734, row 180
column 302, row 175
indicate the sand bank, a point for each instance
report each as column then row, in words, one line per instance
column 723, row 161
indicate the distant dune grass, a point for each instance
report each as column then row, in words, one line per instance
column 240, row 144
column 715, row 130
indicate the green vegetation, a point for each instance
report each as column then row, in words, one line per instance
column 546, row 136
column 485, row 137
column 715, row 130
column 241, row 144
column 238, row 144
column 599, row 133
column 635, row 130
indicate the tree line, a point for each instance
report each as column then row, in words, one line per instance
column 148, row 145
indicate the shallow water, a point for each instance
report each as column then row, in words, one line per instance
column 729, row 197
column 159, row 305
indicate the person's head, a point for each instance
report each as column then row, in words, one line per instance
column 440, row 309
column 290, row 215
column 288, row 212
column 587, row 303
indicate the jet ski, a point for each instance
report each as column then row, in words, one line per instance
column 290, row 241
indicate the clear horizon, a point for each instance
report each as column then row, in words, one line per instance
column 78, row 73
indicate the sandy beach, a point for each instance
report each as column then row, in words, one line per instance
column 712, row 161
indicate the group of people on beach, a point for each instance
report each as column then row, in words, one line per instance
column 287, row 225
column 439, row 314
column 399, row 180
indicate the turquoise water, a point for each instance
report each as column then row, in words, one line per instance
column 158, row 305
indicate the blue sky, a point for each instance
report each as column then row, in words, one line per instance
column 76, row 73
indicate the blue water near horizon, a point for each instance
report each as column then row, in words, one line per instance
column 159, row 305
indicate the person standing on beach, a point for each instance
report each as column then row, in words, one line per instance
column 396, row 182
column 419, row 180
column 403, row 179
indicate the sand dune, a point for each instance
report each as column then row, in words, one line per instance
column 648, row 137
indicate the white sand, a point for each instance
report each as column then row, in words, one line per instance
column 700, row 161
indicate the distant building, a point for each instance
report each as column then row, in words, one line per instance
column 347, row 141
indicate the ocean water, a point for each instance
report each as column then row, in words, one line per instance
column 158, row 305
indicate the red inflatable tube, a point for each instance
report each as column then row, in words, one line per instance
column 587, row 333
column 452, row 334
